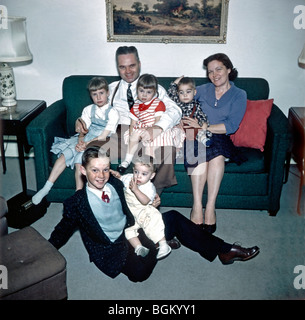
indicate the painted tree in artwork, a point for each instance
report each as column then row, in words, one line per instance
column 167, row 7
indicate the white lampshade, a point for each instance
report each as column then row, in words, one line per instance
column 13, row 48
column 14, row 45
column 302, row 57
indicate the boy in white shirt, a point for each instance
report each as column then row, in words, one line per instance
column 100, row 118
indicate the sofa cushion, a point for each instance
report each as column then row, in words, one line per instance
column 253, row 127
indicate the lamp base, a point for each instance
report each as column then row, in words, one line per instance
column 7, row 88
column 8, row 102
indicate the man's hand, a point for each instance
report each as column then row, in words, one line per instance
column 149, row 134
column 80, row 126
column 81, row 146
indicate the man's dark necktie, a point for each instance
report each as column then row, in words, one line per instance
column 129, row 97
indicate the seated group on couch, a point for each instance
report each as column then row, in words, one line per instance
column 224, row 106
column 209, row 116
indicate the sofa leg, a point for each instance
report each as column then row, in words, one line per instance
column 273, row 213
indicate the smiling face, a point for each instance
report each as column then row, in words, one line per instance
column 97, row 172
column 128, row 67
column 218, row 73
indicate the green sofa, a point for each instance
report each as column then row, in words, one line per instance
column 255, row 185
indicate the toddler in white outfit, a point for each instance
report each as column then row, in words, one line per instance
column 140, row 193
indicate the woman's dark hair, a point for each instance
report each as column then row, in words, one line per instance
column 225, row 60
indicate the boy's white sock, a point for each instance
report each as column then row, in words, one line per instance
column 36, row 199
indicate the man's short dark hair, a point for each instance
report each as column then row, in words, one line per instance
column 126, row 50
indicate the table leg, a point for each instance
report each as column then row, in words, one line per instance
column 21, row 162
column 301, row 186
column 3, row 154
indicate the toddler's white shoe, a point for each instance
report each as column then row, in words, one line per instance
column 164, row 251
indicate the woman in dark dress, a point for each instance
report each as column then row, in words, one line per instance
column 225, row 105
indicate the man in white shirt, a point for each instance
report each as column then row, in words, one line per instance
column 129, row 67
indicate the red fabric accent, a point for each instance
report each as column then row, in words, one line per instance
column 253, row 127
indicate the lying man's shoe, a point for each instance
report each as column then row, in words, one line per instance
column 238, row 253
column 174, row 243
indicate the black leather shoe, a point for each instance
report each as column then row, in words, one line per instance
column 121, row 169
column 211, row 228
column 174, row 243
column 238, row 253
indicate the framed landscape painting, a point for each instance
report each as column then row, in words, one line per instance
column 167, row 21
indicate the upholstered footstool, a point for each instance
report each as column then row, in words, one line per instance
column 35, row 269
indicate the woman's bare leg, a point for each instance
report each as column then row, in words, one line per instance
column 214, row 177
column 198, row 179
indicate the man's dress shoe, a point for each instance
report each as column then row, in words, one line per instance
column 238, row 253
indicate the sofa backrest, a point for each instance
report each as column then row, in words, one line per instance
column 76, row 95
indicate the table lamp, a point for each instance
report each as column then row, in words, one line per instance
column 13, row 48
column 302, row 58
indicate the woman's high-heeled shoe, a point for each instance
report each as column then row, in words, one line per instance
column 211, row 228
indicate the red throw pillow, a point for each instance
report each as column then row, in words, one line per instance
column 253, row 127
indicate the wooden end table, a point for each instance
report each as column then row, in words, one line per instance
column 296, row 118
column 14, row 122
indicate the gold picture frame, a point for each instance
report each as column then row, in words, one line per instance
column 167, row 21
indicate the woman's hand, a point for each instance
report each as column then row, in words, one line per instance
column 190, row 123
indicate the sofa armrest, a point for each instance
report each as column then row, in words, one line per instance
column 277, row 144
column 41, row 132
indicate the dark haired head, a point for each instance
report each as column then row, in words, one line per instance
column 148, row 81
column 187, row 80
column 225, row 60
column 126, row 50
